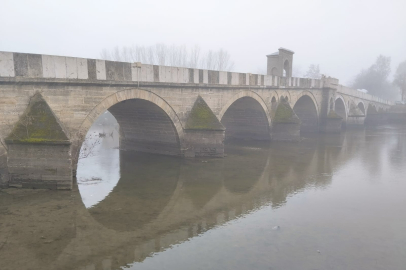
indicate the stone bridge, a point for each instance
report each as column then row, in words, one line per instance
column 48, row 103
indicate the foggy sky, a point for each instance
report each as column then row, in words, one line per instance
column 341, row 36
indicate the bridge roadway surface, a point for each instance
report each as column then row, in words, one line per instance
column 165, row 110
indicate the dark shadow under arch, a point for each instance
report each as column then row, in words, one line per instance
column 306, row 110
column 246, row 119
column 361, row 107
column 340, row 108
column 145, row 127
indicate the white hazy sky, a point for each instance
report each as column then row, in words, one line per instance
column 343, row 36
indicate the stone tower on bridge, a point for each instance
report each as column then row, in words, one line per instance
column 280, row 63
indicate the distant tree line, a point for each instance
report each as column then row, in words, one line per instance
column 174, row 55
column 376, row 80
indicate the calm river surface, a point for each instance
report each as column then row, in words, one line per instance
column 328, row 202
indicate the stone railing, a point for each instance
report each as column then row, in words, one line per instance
column 70, row 68
column 23, row 65
column 355, row 93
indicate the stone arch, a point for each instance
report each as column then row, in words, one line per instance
column 122, row 96
column 246, row 116
column 310, row 95
column 306, row 109
column 361, row 106
column 340, row 107
column 331, row 104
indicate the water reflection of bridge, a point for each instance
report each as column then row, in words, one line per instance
column 164, row 201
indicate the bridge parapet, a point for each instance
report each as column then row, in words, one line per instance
column 29, row 66
column 341, row 89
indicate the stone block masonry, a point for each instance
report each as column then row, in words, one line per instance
column 40, row 166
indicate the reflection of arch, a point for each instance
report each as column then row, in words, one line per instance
column 244, row 167
column 306, row 109
column 110, row 101
column 340, row 108
column 146, row 186
column 361, row 106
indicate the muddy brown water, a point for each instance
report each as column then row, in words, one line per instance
column 328, row 202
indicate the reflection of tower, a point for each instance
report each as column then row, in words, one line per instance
column 280, row 63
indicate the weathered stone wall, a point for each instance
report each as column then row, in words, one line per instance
column 201, row 143
column 40, row 166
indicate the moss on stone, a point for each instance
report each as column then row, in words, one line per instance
column 285, row 114
column 37, row 125
column 333, row 115
column 201, row 117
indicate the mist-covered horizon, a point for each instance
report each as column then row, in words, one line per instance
column 341, row 37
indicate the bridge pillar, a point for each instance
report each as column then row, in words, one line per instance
column 204, row 134
column 203, row 143
column 332, row 123
column 285, row 124
column 39, row 150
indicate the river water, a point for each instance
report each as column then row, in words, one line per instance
column 327, row 202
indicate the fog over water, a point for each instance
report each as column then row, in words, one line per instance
column 342, row 36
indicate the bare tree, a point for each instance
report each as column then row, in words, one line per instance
column 313, row 72
column 400, row 79
column 174, row 55
column 375, row 79
column 297, row 71
column 89, row 145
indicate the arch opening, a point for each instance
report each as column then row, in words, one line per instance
column 145, row 127
column 306, row 110
column 340, row 110
column 361, row 107
column 246, row 119
column 134, row 124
